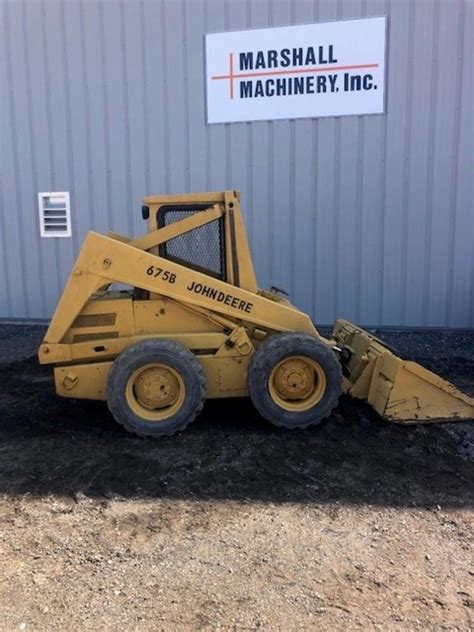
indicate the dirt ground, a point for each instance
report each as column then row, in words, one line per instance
column 233, row 524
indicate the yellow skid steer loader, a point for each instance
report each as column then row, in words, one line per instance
column 194, row 325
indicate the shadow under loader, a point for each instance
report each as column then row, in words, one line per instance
column 50, row 445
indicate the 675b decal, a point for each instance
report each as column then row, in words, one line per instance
column 165, row 275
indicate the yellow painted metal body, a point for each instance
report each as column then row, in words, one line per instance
column 222, row 320
column 225, row 370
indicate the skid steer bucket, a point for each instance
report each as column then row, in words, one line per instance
column 400, row 390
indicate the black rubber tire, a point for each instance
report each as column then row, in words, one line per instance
column 274, row 350
column 161, row 351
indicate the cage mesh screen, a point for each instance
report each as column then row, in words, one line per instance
column 201, row 248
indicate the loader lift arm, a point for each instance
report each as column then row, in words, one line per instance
column 104, row 260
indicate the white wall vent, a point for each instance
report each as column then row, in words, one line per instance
column 54, row 214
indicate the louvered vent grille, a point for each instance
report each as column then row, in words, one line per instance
column 54, row 214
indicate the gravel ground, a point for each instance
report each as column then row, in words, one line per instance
column 232, row 525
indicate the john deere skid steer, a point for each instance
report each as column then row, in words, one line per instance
column 194, row 325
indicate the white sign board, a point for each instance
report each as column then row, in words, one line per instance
column 325, row 69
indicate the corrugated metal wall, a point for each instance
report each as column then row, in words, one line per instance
column 370, row 217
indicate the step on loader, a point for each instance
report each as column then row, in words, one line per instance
column 193, row 324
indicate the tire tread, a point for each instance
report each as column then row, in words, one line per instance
column 145, row 348
column 272, row 351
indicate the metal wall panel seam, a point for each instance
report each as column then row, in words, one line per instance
column 335, row 209
column 358, row 203
column 469, row 23
column 3, row 243
column 105, row 109
column 455, row 158
column 383, row 195
column 228, row 148
column 270, row 179
column 314, row 208
column 87, row 118
column 248, row 203
column 67, row 108
column 407, row 161
column 26, row 208
column 52, row 158
column 359, row 199
column 228, row 151
column 313, row 228
column 146, row 106
column 208, row 131
column 34, row 166
column 4, row 89
column 16, row 160
column 336, row 199
column 126, row 116
column 187, row 142
column 292, row 188
column 292, row 207
column 431, row 148
column 164, row 58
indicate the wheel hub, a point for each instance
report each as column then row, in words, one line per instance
column 297, row 381
column 294, row 379
column 155, row 388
